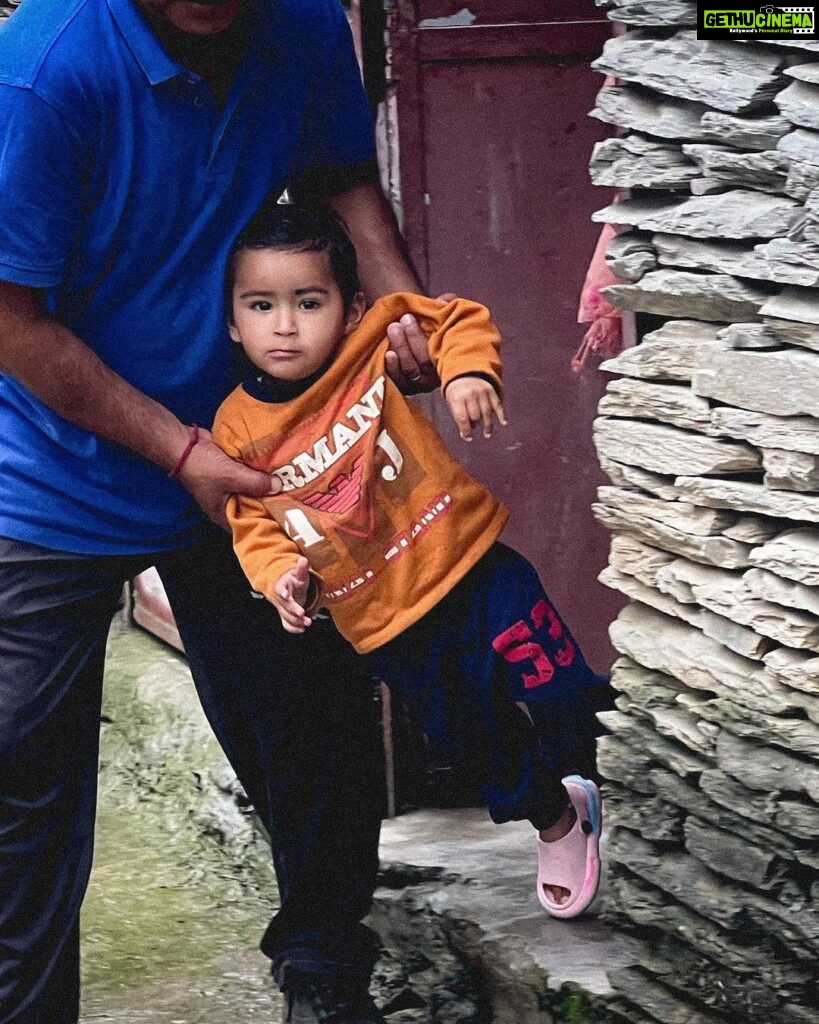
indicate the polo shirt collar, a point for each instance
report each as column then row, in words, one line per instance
column 156, row 65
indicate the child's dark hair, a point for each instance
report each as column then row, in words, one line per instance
column 302, row 229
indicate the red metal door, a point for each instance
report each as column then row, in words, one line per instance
column 492, row 98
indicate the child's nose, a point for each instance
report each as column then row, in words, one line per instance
column 284, row 322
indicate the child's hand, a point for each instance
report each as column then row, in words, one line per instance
column 473, row 400
column 290, row 596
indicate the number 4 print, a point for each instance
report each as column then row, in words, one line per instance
column 516, row 644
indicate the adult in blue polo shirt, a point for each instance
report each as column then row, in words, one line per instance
column 136, row 138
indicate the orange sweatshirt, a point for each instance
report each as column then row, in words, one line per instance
column 387, row 519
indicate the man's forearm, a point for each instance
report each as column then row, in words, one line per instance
column 383, row 263
column 69, row 378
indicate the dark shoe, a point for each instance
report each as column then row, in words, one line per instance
column 324, row 999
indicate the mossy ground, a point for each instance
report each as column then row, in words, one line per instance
column 174, row 914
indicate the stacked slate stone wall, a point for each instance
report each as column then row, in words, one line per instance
column 709, row 433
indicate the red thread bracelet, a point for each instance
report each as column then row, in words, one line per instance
column 183, row 458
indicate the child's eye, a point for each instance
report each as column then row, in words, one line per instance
column 310, row 303
column 261, row 305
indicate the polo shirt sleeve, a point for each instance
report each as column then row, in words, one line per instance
column 340, row 121
column 41, row 193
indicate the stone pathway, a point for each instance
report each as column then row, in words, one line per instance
column 181, row 888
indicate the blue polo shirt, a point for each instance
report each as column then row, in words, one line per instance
column 121, row 189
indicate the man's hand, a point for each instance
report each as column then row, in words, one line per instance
column 473, row 401
column 290, row 597
column 212, row 477
column 407, row 359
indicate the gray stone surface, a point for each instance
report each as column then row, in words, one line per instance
column 797, row 669
column 799, row 102
column 769, row 586
column 740, row 213
column 749, row 497
column 789, row 332
column 700, row 522
column 790, row 471
column 669, row 353
column 493, row 897
column 753, row 336
column 766, row 171
column 803, row 177
column 653, row 12
column 793, row 554
column 630, row 106
column 716, row 73
column 637, row 591
column 784, row 383
column 668, row 403
column 665, row 449
column 631, row 556
column 633, row 161
column 636, row 478
column 801, row 144
column 798, row 304
column 759, row 132
column 792, row 433
column 629, row 255
column 777, row 261
column 804, row 73
column 680, row 293
column 721, row 551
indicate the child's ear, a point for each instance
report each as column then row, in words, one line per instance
column 355, row 311
column 233, row 332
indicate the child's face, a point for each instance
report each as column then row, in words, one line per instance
column 288, row 313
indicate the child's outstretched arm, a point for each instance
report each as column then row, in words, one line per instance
column 290, row 597
column 474, row 402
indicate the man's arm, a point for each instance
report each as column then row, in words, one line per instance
column 57, row 367
column 383, row 261
column 384, row 267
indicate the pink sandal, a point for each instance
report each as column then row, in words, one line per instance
column 573, row 862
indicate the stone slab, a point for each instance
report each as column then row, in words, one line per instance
column 790, row 471
column 669, row 353
column 637, row 591
column 679, row 293
column 783, row 383
column 803, row 177
column 668, row 403
column 680, row 515
column 797, row 669
column 799, row 102
column 630, row 254
column 748, row 336
column 633, row 161
column 665, row 449
column 791, row 433
column 793, row 554
column 769, row 586
column 741, row 213
column 748, row 497
column 653, row 12
column 801, row 144
column 634, row 477
column 798, row 304
column 765, row 171
column 759, row 132
column 720, row 551
column 630, row 555
column 766, row 768
column 772, row 262
column 717, row 73
column 639, row 109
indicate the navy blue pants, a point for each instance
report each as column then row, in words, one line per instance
column 293, row 714
column 496, row 681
